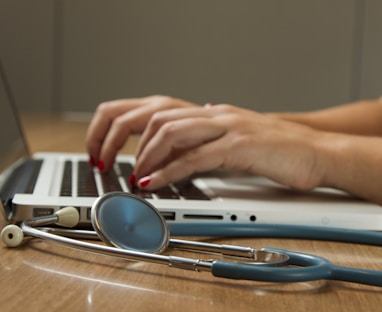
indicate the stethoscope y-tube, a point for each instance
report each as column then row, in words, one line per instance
column 135, row 230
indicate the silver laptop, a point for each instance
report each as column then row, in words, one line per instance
column 36, row 185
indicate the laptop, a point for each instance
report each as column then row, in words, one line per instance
column 39, row 184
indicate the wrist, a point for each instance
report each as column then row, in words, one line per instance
column 349, row 164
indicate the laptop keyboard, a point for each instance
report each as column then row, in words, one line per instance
column 22, row 179
column 111, row 182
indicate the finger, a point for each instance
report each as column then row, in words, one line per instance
column 173, row 136
column 131, row 122
column 104, row 126
column 204, row 158
column 160, row 118
column 101, row 122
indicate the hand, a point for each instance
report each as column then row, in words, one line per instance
column 179, row 142
column 114, row 121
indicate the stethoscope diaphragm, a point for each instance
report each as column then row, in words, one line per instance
column 127, row 221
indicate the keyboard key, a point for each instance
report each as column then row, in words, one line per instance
column 142, row 193
column 22, row 179
column 86, row 181
column 126, row 170
column 166, row 193
column 66, row 185
column 189, row 191
column 110, row 182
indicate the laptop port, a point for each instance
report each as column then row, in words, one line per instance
column 88, row 213
column 168, row 215
column 252, row 218
column 203, row 217
column 41, row 212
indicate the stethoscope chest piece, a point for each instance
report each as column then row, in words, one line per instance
column 126, row 221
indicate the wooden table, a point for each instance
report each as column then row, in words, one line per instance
column 45, row 277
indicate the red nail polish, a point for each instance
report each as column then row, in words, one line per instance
column 101, row 165
column 132, row 179
column 92, row 161
column 144, row 181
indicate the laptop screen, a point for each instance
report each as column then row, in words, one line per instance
column 12, row 144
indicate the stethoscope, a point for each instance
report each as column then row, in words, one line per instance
column 134, row 229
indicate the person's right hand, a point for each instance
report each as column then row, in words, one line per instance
column 114, row 121
column 184, row 141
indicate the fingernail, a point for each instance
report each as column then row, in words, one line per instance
column 209, row 104
column 132, row 179
column 144, row 181
column 92, row 161
column 101, row 165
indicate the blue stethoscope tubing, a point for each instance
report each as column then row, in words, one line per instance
column 309, row 267
column 365, row 237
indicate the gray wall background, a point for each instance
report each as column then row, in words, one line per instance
column 274, row 55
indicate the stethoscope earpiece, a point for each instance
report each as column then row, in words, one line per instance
column 12, row 235
column 67, row 217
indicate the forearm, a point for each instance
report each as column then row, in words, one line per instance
column 362, row 118
column 352, row 163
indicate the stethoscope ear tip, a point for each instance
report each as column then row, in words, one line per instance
column 12, row 235
column 67, row 217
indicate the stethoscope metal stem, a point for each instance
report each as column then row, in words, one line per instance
column 40, row 221
column 227, row 250
column 172, row 261
column 255, row 256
